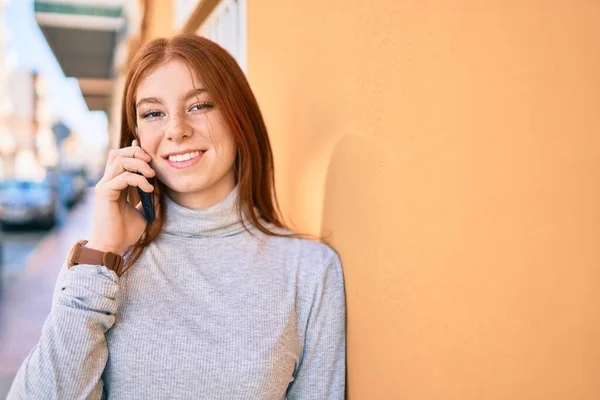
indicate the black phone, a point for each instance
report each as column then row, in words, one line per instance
column 147, row 200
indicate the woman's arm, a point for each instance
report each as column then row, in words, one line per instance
column 68, row 361
column 71, row 355
column 321, row 373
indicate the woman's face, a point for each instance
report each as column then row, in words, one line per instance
column 183, row 130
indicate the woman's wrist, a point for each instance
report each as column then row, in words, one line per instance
column 105, row 247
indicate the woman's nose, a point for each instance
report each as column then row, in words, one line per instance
column 178, row 128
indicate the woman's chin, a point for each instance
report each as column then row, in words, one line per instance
column 183, row 186
column 200, row 184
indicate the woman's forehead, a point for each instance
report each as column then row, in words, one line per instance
column 172, row 77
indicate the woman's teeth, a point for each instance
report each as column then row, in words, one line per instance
column 184, row 157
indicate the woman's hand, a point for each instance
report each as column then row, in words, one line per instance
column 117, row 223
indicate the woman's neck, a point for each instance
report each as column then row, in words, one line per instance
column 219, row 220
column 204, row 198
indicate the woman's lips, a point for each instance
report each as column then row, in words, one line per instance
column 184, row 164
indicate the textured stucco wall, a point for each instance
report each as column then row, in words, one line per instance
column 452, row 149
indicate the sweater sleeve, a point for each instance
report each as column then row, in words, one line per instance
column 70, row 357
column 321, row 373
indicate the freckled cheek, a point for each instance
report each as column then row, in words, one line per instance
column 150, row 144
column 219, row 130
column 201, row 123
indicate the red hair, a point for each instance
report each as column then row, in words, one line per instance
column 227, row 85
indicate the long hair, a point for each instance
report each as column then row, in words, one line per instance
column 228, row 86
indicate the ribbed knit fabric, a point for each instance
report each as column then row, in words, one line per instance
column 208, row 312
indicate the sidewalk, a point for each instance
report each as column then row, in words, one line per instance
column 26, row 297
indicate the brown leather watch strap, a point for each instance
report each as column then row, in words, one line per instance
column 84, row 255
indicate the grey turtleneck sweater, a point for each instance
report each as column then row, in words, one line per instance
column 207, row 312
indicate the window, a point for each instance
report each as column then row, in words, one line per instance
column 226, row 25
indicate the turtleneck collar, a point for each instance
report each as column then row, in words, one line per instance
column 219, row 220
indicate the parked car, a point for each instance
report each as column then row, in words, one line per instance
column 71, row 185
column 27, row 203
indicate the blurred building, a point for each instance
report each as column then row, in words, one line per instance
column 7, row 141
column 28, row 143
column 83, row 36
column 90, row 41
column 30, row 131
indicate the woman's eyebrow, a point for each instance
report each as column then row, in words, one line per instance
column 150, row 100
column 156, row 100
column 194, row 93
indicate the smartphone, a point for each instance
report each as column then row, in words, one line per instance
column 147, row 200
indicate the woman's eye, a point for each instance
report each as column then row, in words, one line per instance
column 200, row 106
column 151, row 114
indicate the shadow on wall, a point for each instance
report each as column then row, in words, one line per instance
column 353, row 199
column 351, row 223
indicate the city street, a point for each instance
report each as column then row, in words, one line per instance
column 31, row 264
column 16, row 247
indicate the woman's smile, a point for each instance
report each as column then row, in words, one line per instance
column 184, row 160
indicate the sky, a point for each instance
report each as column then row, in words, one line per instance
column 33, row 53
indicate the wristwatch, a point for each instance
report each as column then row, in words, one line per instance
column 84, row 255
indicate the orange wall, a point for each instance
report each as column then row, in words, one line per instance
column 452, row 148
column 160, row 18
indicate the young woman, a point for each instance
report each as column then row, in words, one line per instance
column 219, row 299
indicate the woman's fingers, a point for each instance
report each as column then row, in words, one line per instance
column 131, row 152
column 122, row 164
column 122, row 181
